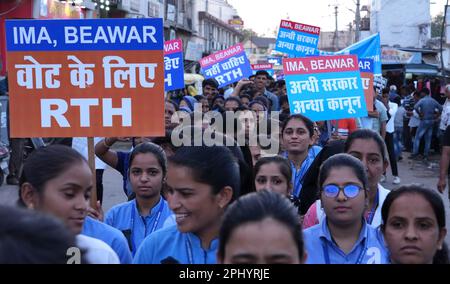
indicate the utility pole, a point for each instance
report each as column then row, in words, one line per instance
column 357, row 22
column 442, row 39
column 336, row 45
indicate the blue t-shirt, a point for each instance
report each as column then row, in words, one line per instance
column 321, row 248
column 111, row 236
column 126, row 218
column 171, row 246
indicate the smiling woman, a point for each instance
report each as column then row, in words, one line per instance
column 201, row 182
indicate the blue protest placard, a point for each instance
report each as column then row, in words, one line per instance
column 173, row 65
column 325, row 88
column 367, row 48
column 297, row 39
column 227, row 66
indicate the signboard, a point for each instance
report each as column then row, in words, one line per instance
column 264, row 66
column 276, row 61
column 194, row 51
column 227, row 66
column 297, row 39
column 325, row 88
column 86, row 78
column 173, row 65
column 366, row 71
column 396, row 56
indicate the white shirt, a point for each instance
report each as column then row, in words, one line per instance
column 97, row 251
column 81, row 146
column 390, row 126
column 445, row 116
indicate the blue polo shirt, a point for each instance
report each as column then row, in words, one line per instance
column 126, row 218
column 111, row 236
column 322, row 249
column 171, row 246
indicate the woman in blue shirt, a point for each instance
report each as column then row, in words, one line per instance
column 147, row 213
column 343, row 236
column 414, row 226
column 201, row 182
column 297, row 135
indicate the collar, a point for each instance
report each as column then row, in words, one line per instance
column 197, row 243
column 325, row 233
column 153, row 211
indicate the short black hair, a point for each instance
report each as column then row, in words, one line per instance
column 262, row 72
column 426, row 91
column 255, row 207
column 210, row 82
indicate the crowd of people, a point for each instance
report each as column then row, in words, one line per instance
column 313, row 196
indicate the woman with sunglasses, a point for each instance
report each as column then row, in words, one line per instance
column 343, row 236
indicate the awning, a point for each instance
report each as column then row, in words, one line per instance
column 424, row 69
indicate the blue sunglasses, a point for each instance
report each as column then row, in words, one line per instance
column 350, row 190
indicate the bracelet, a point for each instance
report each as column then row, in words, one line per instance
column 106, row 145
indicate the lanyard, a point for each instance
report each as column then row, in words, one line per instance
column 327, row 256
column 372, row 211
column 155, row 223
column 189, row 250
column 297, row 176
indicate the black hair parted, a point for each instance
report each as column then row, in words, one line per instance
column 308, row 123
column 47, row 163
column 152, row 148
column 339, row 161
column 366, row 134
column 282, row 163
column 436, row 203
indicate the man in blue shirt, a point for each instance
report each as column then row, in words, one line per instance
column 429, row 111
column 261, row 78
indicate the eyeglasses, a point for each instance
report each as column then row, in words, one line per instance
column 350, row 190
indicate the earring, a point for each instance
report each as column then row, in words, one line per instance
column 31, row 206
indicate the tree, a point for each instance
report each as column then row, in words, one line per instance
column 436, row 25
column 248, row 34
